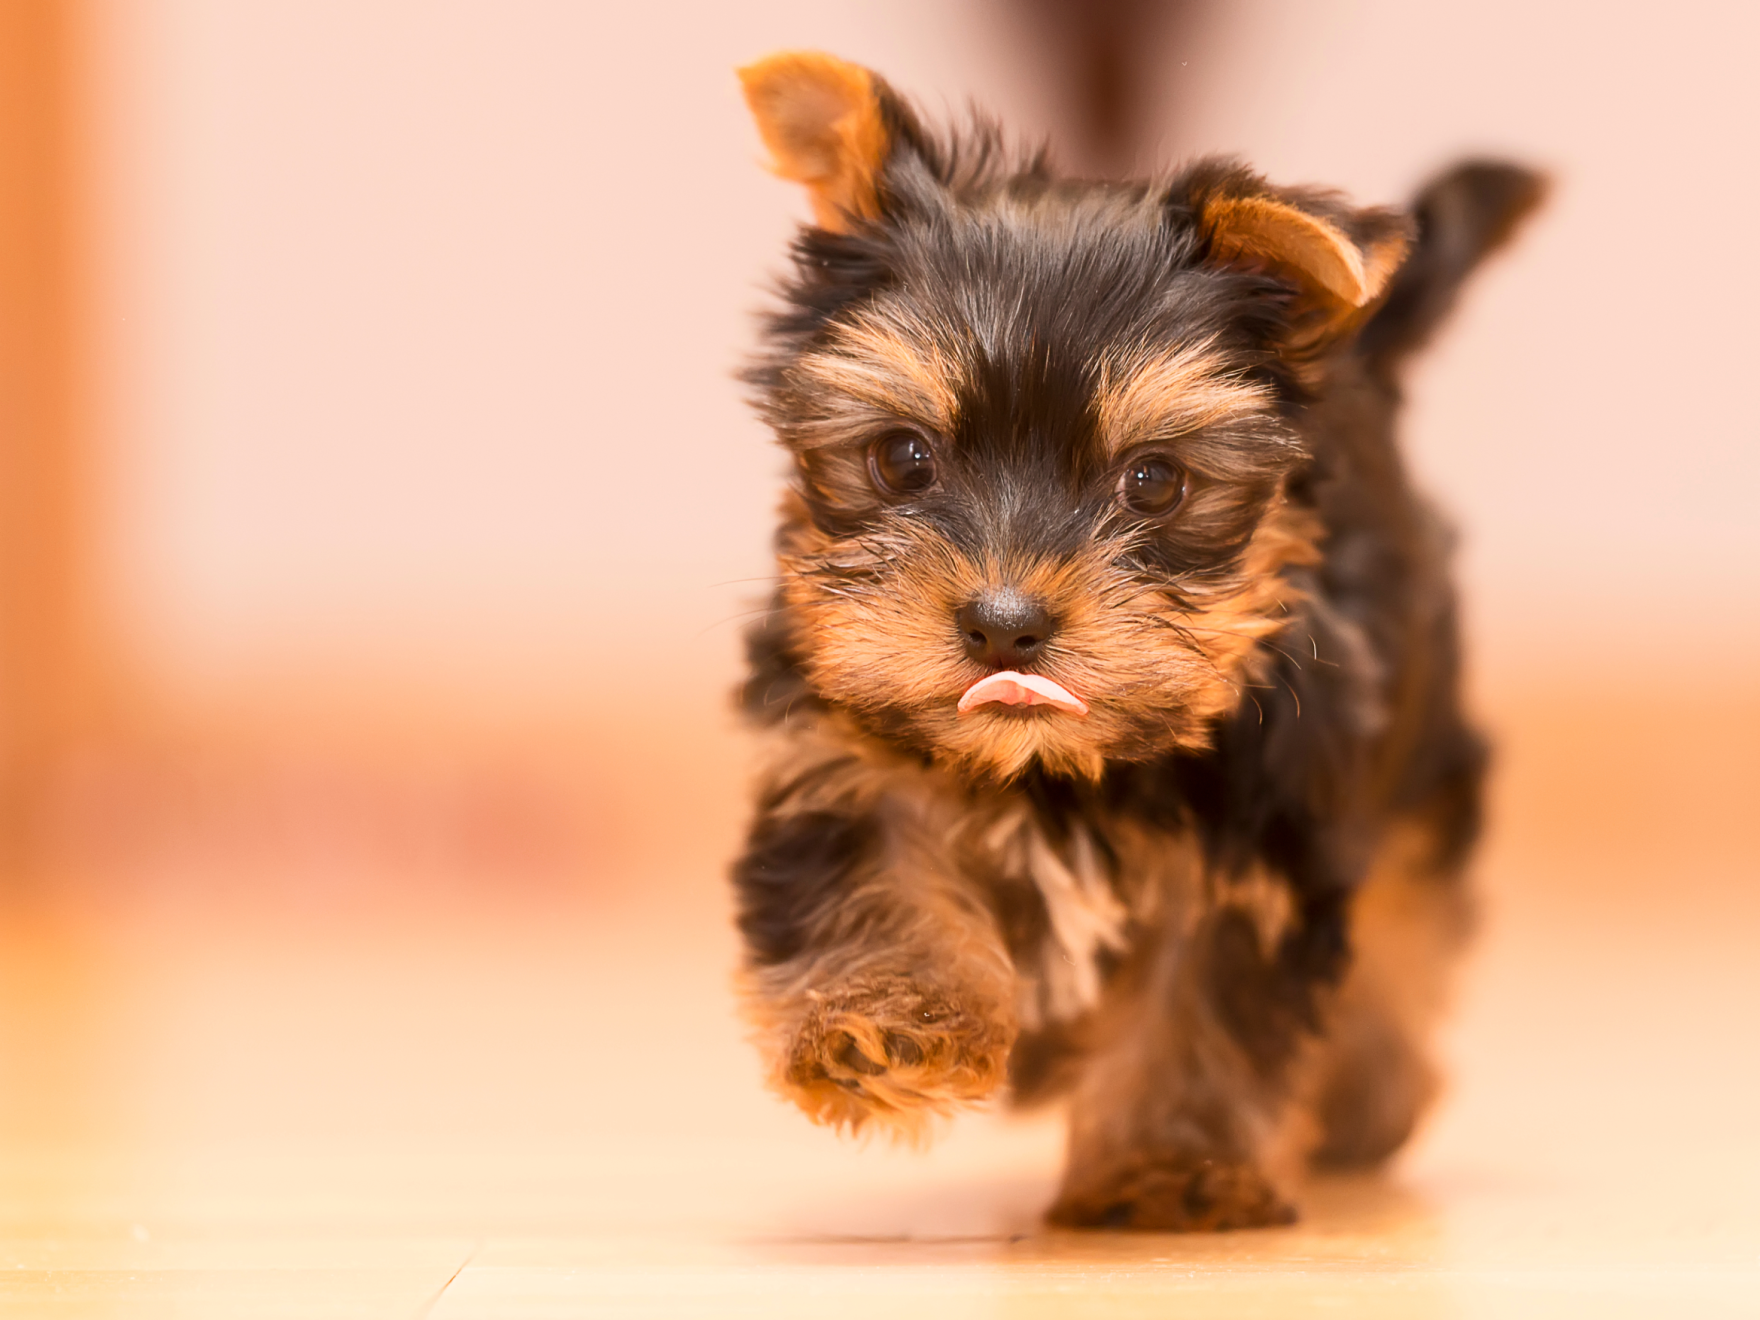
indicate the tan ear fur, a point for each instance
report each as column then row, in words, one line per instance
column 1315, row 252
column 820, row 118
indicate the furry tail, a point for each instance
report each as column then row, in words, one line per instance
column 1463, row 216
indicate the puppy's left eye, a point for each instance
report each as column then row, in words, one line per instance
column 1152, row 486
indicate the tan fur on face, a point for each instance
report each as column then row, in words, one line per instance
column 1172, row 394
column 876, row 631
column 889, row 363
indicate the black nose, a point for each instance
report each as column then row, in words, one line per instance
column 1004, row 628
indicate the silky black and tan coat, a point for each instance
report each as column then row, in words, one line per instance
column 1131, row 443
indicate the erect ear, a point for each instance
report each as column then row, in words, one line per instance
column 1339, row 259
column 824, row 123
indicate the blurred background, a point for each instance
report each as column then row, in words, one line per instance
column 379, row 515
column 376, row 483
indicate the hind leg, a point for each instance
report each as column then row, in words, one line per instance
column 1373, row 1079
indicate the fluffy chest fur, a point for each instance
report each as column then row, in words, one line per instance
column 1071, row 879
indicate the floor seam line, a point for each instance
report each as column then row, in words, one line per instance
column 434, row 1301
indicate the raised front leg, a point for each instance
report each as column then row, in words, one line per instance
column 1184, row 1117
column 878, row 983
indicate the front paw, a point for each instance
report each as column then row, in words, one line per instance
column 893, row 1051
column 1173, row 1195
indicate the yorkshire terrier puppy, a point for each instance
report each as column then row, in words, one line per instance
column 1112, row 676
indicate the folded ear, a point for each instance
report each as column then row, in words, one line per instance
column 825, row 126
column 1339, row 259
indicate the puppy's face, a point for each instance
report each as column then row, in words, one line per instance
column 1041, row 436
column 1003, row 470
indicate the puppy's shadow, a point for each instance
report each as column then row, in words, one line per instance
column 1366, row 1219
column 1360, row 1249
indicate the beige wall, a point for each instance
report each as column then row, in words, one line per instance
column 418, row 322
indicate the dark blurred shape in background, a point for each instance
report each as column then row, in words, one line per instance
column 1110, row 59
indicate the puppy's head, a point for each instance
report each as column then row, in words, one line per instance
column 1043, row 431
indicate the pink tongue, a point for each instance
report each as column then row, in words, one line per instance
column 1012, row 689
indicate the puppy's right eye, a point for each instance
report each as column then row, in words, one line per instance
column 902, row 463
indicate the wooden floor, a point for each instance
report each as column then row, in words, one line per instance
column 376, row 1103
